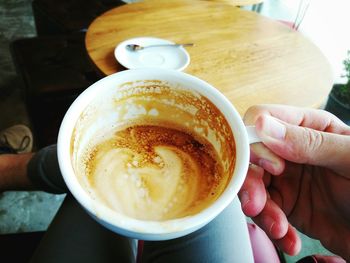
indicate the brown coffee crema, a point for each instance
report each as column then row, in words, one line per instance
column 155, row 173
column 153, row 151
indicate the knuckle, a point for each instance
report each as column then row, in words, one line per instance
column 305, row 144
column 313, row 141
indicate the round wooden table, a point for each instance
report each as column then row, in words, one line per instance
column 250, row 58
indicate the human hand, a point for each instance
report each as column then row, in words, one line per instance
column 300, row 176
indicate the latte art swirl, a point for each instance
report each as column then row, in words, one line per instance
column 155, row 173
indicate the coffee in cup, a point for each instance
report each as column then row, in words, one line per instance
column 153, row 154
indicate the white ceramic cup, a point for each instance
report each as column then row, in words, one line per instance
column 109, row 101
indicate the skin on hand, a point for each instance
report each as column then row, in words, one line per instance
column 299, row 177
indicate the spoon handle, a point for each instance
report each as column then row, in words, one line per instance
column 172, row 45
column 175, row 45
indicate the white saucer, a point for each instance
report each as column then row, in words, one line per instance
column 156, row 57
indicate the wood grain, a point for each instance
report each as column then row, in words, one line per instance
column 250, row 58
column 240, row 2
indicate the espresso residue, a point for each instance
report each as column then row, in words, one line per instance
column 155, row 173
column 143, row 139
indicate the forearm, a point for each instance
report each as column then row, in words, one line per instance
column 13, row 172
column 32, row 171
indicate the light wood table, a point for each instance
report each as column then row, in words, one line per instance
column 240, row 2
column 250, row 58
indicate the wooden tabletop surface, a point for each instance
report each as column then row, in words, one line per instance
column 250, row 58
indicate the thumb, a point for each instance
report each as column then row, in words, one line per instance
column 304, row 145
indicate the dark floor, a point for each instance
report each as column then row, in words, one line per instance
column 19, row 211
column 16, row 21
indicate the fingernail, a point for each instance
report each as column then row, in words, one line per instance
column 244, row 197
column 273, row 128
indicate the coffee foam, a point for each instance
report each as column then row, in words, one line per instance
column 154, row 173
column 148, row 103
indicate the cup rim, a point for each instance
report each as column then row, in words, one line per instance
column 145, row 228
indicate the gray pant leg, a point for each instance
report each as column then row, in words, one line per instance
column 75, row 237
column 43, row 170
column 223, row 240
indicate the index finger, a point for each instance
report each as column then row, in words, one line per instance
column 306, row 117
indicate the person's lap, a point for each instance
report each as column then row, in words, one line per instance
column 74, row 236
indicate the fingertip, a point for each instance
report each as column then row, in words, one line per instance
column 266, row 159
column 272, row 220
column 249, row 207
column 290, row 243
column 270, row 129
column 259, row 123
column 253, row 194
column 274, row 167
column 244, row 198
column 294, row 248
column 276, row 228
